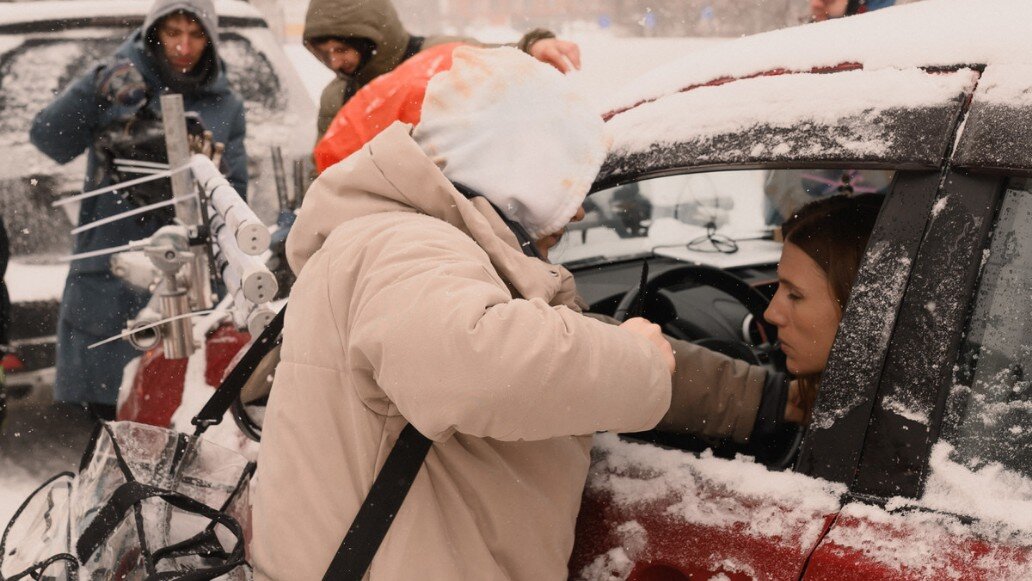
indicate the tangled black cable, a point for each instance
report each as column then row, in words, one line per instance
column 713, row 242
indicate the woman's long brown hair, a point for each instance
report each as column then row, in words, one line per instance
column 833, row 232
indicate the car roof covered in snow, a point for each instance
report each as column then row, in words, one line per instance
column 21, row 17
column 901, row 88
column 931, row 33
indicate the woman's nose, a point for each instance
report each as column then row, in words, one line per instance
column 773, row 313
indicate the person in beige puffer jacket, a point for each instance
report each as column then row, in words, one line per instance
column 416, row 303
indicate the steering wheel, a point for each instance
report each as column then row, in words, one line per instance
column 785, row 446
column 700, row 275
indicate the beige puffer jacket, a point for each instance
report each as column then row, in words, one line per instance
column 414, row 304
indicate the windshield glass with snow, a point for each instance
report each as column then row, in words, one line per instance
column 723, row 219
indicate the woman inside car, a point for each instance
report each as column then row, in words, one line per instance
column 824, row 242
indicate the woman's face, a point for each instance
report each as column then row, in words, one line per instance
column 804, row 311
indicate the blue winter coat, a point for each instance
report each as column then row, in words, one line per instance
column 96, row 305
column 72, row 122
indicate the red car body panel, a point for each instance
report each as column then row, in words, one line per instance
column 911, row 546
column 656, row 513
column 157, row 388
column 676, row 549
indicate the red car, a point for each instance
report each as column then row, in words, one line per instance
column 918, row 461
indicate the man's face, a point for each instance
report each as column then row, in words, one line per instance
column 183, row 41
column 337, row 55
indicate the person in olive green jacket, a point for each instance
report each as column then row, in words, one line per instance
column 361, row 40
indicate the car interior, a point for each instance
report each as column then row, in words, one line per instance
column 705, row 248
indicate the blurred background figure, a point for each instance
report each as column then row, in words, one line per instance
column 113, row 111
column 360, row 40
column 787, row 190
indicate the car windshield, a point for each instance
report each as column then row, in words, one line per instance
column 724, row 219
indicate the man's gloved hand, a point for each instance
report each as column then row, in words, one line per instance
column 122, row 86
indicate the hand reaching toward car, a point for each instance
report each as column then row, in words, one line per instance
column 561, row 54
column 652, row 332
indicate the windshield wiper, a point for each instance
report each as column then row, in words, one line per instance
column 637, row 308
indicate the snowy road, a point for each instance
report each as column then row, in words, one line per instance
column 38, row 440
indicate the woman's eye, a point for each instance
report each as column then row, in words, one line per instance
column 794, row 297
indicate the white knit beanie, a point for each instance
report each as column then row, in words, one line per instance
column 513, row 129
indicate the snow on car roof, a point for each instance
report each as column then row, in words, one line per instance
column 21, row 12
column 775, row 100
column 932, row 33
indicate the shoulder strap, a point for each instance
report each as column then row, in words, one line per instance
column 381, row 505
column 230, row 387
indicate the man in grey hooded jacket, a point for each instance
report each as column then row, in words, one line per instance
column 173, row 52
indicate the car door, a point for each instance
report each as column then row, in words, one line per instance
column 943, row 488
column 656, row 513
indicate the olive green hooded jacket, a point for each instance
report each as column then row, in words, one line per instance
column 376, row 20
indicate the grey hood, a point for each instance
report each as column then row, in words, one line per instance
column 203, row 10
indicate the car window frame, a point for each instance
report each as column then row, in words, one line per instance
column 834, row 441
column 833, row 452
column 926, row 344
column 929, row 133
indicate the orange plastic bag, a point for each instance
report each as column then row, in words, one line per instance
column 395, row 96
